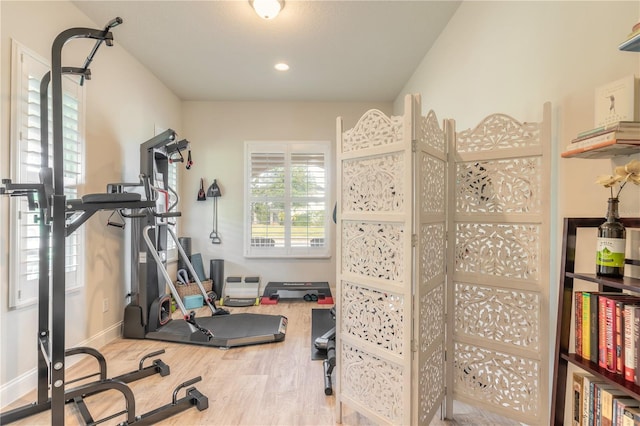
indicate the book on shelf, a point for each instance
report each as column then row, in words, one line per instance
column 589, row 393
column 593, row 323
column 630, row 357
column 577, row 347
column 624, row 407
column 578, row 399
column 608, row 394
column 636, row 338
column 631, row 416
column 586, row 327
column 629, row 128
column 620, row 332
column 610, row 333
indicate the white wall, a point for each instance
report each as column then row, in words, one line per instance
column 124, row 103
column 217, row 132
column 511, row 57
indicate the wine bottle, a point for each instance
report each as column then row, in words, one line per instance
column 611, row 244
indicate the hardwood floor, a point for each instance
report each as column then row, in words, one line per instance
column 270, row 384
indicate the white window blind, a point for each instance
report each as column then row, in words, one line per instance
column 172, row 179
column 287, row 199
column 28, row 70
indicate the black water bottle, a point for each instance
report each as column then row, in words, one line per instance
column 611, row 244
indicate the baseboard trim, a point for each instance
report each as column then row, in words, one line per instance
column 27, row 382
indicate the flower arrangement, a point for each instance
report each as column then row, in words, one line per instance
column 622, row 175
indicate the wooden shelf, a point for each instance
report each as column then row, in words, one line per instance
column 606, row 149
column 615, row 379
column 563, row 357
column 624, row 283
column 632, row 44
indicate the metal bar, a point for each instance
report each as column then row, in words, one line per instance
column 109, row 40
column 194, row 397
column 97, row 387
column 169, row 281
column 85, row 350
column 192, row 271
column 58, row 230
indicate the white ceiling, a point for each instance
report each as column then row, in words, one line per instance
column 221, row 50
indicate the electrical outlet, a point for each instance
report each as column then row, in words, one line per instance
column 105, row 305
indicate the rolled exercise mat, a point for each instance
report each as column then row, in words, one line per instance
column 216, row 272
column 185, row 243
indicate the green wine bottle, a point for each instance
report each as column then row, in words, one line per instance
column 611, row 244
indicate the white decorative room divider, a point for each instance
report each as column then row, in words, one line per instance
column 499, row 263
column 391, row 251
column 404, row 220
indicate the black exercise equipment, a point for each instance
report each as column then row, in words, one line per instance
column 148, row 315
column 327, row 342
column 59, row 218
column 316, row 291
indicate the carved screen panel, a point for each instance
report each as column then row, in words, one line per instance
column 430, row 291
column 374, row 277
column 498, row 254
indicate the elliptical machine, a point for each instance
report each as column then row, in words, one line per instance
column 148, row 316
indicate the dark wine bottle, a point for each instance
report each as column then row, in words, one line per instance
column 611, row 244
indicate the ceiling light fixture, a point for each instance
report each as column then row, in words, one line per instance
column 281, row 66
column 267, row 9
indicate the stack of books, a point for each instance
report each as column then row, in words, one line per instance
column 621, row 138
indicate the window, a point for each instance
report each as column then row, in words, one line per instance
column 172, row 179
column 28, row 70
column 287, row 199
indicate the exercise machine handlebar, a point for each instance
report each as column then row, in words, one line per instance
column 111, row 24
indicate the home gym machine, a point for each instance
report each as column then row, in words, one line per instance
column 148, row 316
column 59, row 218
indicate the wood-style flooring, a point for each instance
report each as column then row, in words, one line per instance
column 270, row 384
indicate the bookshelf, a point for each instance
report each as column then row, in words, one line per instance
column 562, row 355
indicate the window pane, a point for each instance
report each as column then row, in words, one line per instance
column 307, row 224
column 26, row 242
column 307, row 175
column 267, row 175
column 267, row 225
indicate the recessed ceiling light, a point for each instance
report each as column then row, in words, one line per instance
column 281, row 66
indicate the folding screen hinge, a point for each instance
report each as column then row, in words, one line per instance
column 414, row 145
column 414, row 345
column 414, row 240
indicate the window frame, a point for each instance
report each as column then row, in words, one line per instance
column 23, row 291
column 288, row 148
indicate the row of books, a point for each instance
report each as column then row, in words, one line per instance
column 596, row 403
column 623, row 135
column 607, row 331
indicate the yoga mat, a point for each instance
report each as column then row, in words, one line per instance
column 321, row 322
column 198, row 267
